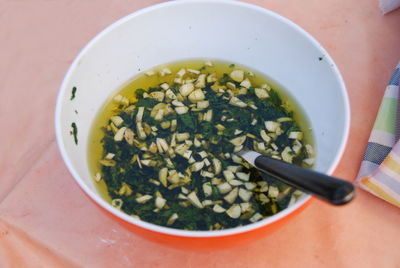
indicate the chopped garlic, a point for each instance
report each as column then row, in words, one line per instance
column 121, row 100
column 191, row 160
column 197, row 143
column 218, row 209
column 173, row 177
column 201, row 81
column 207, row 189
column 237, row 132
column 143, row 199
column 261, row 93
column 208, row 116
column 187, row 154
column 109, row 156
column 237, row 148
column 243, row 176
column 193, row 71
column 159, row 116
column 139, row 115
column 228, row 175
column 273, row 192
column 211, row 78
column 261, row 146
column 234, row 211
column 207, row 203
column 207, row 174
column 177, row 103
column 117, row 120
column 297, row 147
column 224, row 188
column 129, row 136
column 184, row 190
column 170, row 94
column 231, row 197
column 274, row 146
column 172, row 219
column 237, row 75
column 264, row 188
column 165, row 71
column 245, row 207
column 263, row 199
column 250, row 185
column 186, row 89
column 197, row 166
column 194, row 200
column 182, row 197
column 238, row 141
column 287, row 154
column 284, row 119
column 236, row 159
column 157, row 95
column 246, row 83
column 202, row 154
column 245, row 195
column 196, row 96
column 181, row 73
column 216, row 181
column 164, row 86
column 178, row 80
column 237, row 102
column 264, row 136
column 97, row 177
column 235, row 182
column 162, row 175
column 173, row 124
column 203, row 104
column 120, row 134
column 256, row 217
column 271, row 126
column 160, row 202
column 217, row 165
column 181, row 110
column 231, row 85
column 234, row 169
column 182, row 136
column 149, row 163
column 154, row 182
column 310, row 150
column 162, row 143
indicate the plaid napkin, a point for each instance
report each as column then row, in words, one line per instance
column 388, row 5
column 380, row 170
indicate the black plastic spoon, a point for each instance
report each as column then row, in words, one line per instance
column 327, row 188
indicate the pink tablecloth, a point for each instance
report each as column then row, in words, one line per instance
column 47, row 221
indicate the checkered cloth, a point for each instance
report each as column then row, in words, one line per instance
column 380, row 170
column 389, row 5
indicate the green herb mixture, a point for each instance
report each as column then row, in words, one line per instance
column 169, row 151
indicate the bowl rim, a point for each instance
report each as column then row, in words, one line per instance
column 196, row 233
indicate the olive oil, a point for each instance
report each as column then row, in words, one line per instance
column 144, row 81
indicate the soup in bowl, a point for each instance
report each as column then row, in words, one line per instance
column 153, row 110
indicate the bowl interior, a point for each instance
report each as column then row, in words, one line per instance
column 226, row 30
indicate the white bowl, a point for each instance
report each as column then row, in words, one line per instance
column 227, row 30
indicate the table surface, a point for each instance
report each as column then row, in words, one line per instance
column 47, row 221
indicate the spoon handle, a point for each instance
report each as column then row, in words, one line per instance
column 333, row 190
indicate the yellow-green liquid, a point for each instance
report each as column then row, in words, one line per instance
column 95, row 150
